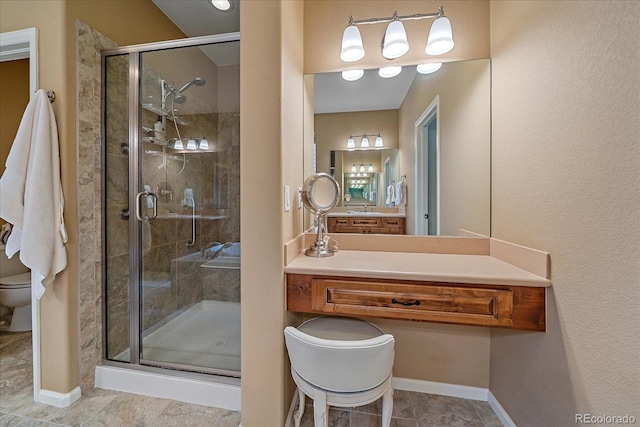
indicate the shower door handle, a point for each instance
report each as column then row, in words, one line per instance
column 154, row 203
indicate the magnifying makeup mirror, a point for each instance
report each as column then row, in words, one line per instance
column 320, row 193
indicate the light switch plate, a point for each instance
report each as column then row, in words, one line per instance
column 287, row 198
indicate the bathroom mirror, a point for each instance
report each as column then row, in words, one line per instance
column 320, row 193
column 436, row 131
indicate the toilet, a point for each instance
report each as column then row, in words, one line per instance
column 15, row 292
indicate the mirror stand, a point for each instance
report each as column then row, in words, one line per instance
column 320, row 248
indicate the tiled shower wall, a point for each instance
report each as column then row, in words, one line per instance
column 169, row 286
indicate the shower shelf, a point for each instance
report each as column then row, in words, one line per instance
column 159, row 111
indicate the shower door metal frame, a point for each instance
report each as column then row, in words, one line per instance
column 135, row 227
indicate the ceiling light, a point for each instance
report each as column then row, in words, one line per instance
column 395, row 43
column 429, row 68
column 388, row 72
column 351, row 143
column 352, row 75
column 223, row 5
column 352, row 49
column 379, row 142
column 440, row 37
column 364, row 144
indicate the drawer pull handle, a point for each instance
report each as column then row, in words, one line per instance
column 395, row 301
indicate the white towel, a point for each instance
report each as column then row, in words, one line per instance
column 401, row 193
column 390, row 194
column 31, row 195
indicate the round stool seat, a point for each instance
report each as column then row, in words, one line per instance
column 340, row 328
column 22, row 280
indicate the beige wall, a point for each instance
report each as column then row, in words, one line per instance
column 325, row 20
column 464, row 91
column 271, row 91
column 566, row 164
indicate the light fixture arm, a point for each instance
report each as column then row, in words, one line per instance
column 395, row 17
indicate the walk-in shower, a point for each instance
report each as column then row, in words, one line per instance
column 171, row 210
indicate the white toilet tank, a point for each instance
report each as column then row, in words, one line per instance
column 10, row 267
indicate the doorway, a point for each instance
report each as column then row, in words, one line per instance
column 427, row 141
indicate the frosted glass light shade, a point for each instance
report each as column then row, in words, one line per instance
column 379, row 142
column 204, row 144
column 395, row 41
column 351, row 143
column 362, row 167
column 352, row 75
column 370, row 168
column 429, row 68
column 440, row 37
column 353, row 168
column 388, row 72
column 178, row 145
column 192, row 145
column 364, row 144
column 352, row 49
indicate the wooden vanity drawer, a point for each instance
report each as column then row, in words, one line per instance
column 472, row 306
column 504, row 306
column 366, row 225
column 366, row 222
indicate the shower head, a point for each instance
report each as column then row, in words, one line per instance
column 179, row 98
column 198, row 81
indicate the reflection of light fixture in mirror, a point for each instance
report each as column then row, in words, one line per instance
column 440, row 37
column 370, row 168
column 178, row 145
column 352, row 49
column 192, row 144
column 364, row 143
column 352, row 75
column 353, row 168
column 204, row 144
column 379, row 142
column 361, row 168
column 429, row 67
column 395, row 42
column 350, row 142
column 388, row 72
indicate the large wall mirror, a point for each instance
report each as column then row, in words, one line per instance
column 435, row 131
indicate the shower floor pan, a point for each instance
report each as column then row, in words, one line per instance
column 206, row 335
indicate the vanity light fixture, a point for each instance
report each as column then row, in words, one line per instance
column 192, row 144
column 361, row 168
column 429, row 67
column 353, row 168
column 352, row 75
column 178, row 145
column 370, row 168
column 204, row 144
column 364, row 142
column 395, row 42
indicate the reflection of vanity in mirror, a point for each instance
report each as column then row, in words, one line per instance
column 429, row 172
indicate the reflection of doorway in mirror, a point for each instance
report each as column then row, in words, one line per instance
column 428, row 171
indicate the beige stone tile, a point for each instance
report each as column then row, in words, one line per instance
column 180, row 414
column 487, row 415
column 130, row 410
column 435, row 410
column 91, row 402
column 402, row 405
column 8, row 420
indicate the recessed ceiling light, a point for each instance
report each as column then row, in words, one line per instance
column 223, row 5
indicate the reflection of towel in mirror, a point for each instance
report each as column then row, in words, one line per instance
column 401, row 193
column 390, row 194
column 31, row 195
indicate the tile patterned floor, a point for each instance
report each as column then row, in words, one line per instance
column 108, row 408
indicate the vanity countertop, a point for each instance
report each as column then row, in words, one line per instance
column 471, row 269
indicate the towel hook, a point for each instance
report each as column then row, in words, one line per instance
column 51, row 95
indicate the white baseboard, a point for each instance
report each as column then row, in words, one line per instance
column 225, row 396
column 504, row 418
column 59, row 400
column 443, row 389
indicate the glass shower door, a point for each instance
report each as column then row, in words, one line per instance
column 172, row 235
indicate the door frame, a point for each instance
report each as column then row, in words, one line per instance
column 421, row 174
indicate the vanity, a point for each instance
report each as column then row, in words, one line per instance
column 463, row 289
